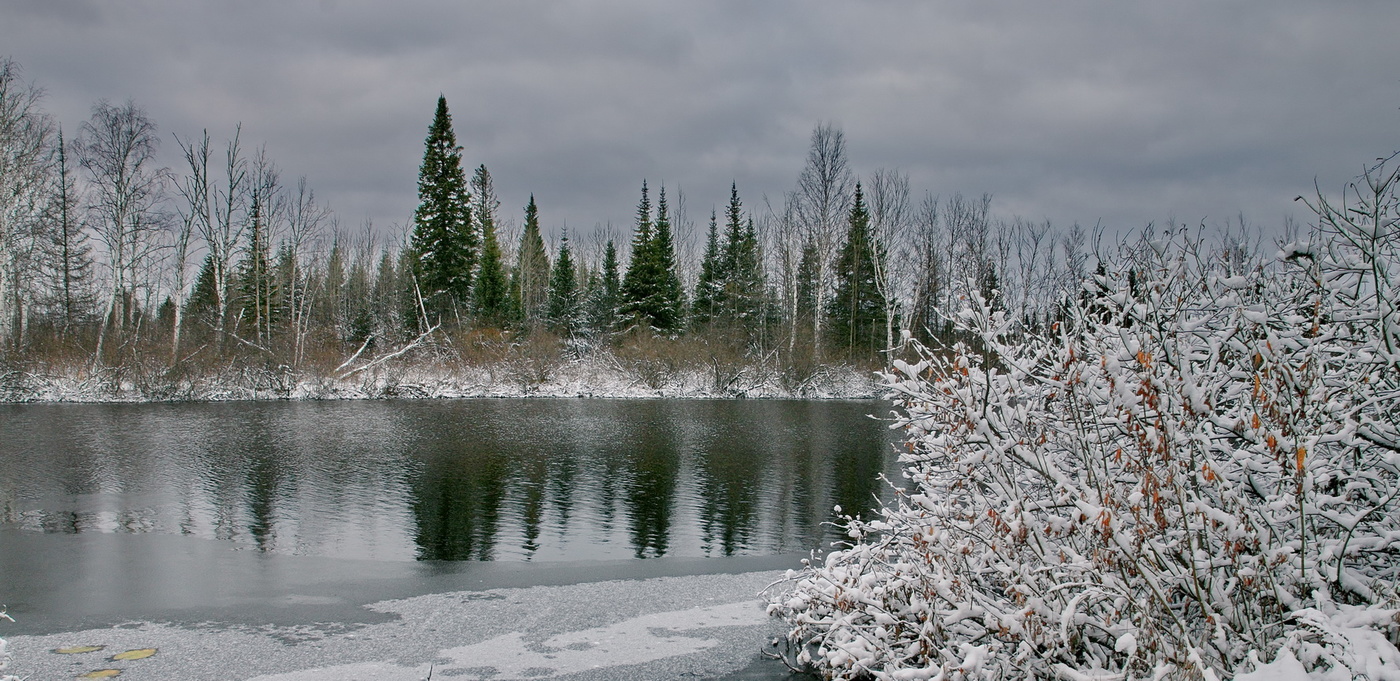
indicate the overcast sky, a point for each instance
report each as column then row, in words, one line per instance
column 1125, row 112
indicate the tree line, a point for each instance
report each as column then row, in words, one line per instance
column 108, row 256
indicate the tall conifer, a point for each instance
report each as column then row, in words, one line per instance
column 563, row 291
column 530, row 282
column 491, row 288
column 857, row 311
column 443, row 242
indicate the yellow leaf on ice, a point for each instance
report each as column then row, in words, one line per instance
column 75, row 650
column 138, row 654
column 101, row 674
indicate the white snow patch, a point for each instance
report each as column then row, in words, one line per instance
column 510, row 656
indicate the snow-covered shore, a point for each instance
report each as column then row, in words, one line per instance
column 581, row 378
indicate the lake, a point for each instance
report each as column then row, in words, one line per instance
column 224, row 511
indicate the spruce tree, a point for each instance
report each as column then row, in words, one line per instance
column 563, row 291
column 70, row 254
column 708, row 288
column 604, row 297
column 741, row 268
column 670, row 302
column 257, row 285
column 530, row 280
column 639, row 282
column 491, row 288
column 856, row 310
column 443, row 242
column 203, row 303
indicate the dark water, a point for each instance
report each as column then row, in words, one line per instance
column 471, row 480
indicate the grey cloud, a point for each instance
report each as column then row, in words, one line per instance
column 1072, row 111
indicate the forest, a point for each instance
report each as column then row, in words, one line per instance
column 221, row 276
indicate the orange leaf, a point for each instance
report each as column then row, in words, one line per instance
column 1302, row 453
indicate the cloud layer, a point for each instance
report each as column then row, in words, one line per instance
column 1071, row 111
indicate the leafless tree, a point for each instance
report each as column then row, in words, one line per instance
column 890, row 220
column 117, row 147
column 783, row 239
column 306, row 220
column 223, row 234
column 68, row 255
column 823, row 198
column 267, row 208
column 196, row 216
column 972, row 253
column 929, row 266
column 24, row 149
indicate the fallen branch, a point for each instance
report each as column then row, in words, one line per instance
column 382, row 359
column 356, row 356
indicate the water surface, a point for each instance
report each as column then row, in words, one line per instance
column 453, row 480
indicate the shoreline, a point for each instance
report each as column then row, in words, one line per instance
column 580, row 380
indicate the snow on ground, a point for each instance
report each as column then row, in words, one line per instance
column 663, row 628
column 578, row 378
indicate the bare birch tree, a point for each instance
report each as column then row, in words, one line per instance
column 196, row 216
column 224, row 232
column 823, row 198
column 117, row 147
column 890, row 218
column 929, row 270
column 306, row 220
column 24, row 149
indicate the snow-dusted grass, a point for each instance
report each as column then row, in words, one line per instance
column 591, row 375
column 1195, row 475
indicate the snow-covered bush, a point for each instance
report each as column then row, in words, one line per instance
column 5, row 654
column 1195, row 471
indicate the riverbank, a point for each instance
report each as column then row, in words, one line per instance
column 599, row 377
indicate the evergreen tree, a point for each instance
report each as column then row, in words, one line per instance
column 670, row 303
column 708, row 288
column 257, row 287
column 856, row 310
column 69, row 253
column 203, row 303
column 563, row 291
column 386, row 304
column 651, row 289
column 289, row 288
column 741, row 269
column 530, row 279
column 359, row 318
column 638, row 281
column 443, row 241
column 603, row 296
column 328, row 310
column 491, row 293
column 491, row 288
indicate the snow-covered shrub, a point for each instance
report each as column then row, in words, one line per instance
column 5, row 653
column 1195, row 471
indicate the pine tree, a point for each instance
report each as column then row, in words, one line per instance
column 530, row 279
column 856, row 310
column 603, row 296
column 69, row 253
column 257, row 286
column 491, row 287
column 328, row 305
column 387, row 302
column 563, row 292
column 651, row 289
column 741, row 268
column 708, row 287
column 638, row 282
column 443, row 241
column 202, row 308
column 670, row 304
